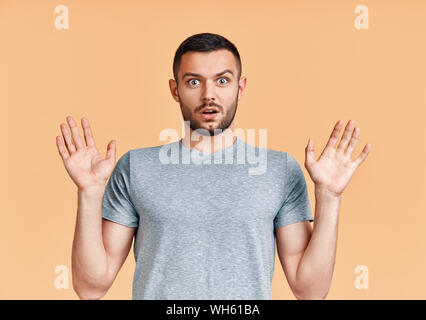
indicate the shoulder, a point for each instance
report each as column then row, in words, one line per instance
column 282, row 160
column 275, row 157
column 149, row 154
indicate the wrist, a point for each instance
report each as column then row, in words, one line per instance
column 92, row 190
column 324, row 193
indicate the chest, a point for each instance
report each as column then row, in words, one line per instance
column 213, row 195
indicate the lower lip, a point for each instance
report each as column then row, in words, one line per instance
column 209, row 116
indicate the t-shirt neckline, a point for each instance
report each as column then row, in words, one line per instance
column 233, row 146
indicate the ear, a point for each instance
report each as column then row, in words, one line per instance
column 241, row 87
column 173, row 89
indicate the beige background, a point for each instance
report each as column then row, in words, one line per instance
column 307, row 66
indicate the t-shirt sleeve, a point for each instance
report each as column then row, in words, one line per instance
column 116, row 203
column 296, row 206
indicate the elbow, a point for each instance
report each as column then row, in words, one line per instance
column 311, row 295
column 87, row 292
column 89, row 296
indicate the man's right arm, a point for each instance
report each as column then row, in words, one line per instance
column 100, row 246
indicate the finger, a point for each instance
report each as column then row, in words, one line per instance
column 363, row 154
column 61, row 148
column 334, row 137
column 346, row 135
column 111, row 150
column 352, row 144
column 310, row 152
column 75, row 134
column 67, row 137
column 88, row 135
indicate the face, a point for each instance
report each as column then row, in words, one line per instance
column 208, row 79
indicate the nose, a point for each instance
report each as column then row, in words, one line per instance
column 208, row 93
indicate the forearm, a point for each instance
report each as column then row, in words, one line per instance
column 315, row 269
column 89, row 259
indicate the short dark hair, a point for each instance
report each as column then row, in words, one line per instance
column 204, row 42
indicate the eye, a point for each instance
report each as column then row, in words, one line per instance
column 223, row 79
column 190, row 80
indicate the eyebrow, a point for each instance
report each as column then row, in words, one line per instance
column 186, row 74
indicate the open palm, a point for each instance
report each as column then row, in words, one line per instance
column 335, row 168
column 84, row 164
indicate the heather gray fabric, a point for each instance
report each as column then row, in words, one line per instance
column 205, row 231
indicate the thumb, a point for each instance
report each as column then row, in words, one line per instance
column 309, row 152
column 111, row 150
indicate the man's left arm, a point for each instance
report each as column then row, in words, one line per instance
column 307, row 255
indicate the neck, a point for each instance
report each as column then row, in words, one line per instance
column 208, row 144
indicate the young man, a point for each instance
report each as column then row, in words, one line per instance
column 205, row 230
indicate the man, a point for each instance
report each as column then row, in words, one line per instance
column 205, row 231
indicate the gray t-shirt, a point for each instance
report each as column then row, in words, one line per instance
column 205, row 231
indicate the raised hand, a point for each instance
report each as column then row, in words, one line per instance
column 86, row 167
column 334, row 168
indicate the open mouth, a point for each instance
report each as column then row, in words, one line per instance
column 209, row 113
